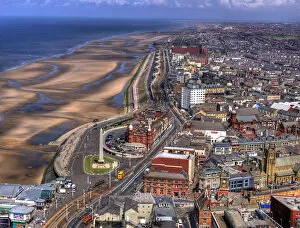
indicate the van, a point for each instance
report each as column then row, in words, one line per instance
column 74, row 188
column 62, row 190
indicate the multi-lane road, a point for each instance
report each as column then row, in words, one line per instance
column 71, row 214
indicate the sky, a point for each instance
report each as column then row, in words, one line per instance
column 206, row 10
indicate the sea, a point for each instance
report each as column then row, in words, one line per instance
column 27, row 39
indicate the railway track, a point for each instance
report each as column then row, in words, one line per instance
column 61, row 218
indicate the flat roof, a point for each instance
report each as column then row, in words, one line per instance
column 169, row 155
column 177, row 176
column 33, row 192
column 21, row 210
column 10, row 190
column 293, row 203
column 235, row 219
column 237, row 175
column 178, row 148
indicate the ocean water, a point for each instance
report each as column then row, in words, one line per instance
column 24, row 40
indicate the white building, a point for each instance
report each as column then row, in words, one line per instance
column 193, row 93
column 212, row 130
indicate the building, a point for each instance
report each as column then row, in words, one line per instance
column 250, row 117
column 164, row 212
column 285, row 210
column 214, row 89
column 222, row 148
column 166, row 184
column 205, row 214
column 192, row 94
column 10, row 191
column 174, row 163
column 132, row 209
column 222, row 115
column 280, row 167
column 234, row 219
column 195, row 52
column 21, row 215
column 210, row 177
column 258, row 143
column 211, row 130
column 112, row 213
column 138, row 210
column 179, row 150
column 148, row 127
column 241, row 181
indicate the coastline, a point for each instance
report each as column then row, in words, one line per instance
column 82, row 107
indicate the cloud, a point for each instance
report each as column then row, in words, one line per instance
column 254, row 4
column 200, row 4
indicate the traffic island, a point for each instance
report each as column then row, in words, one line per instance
column 93, row 167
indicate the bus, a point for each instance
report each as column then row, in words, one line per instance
column 121, row 174
column 87, row 219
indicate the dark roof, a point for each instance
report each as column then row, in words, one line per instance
column 130, row 204
column 245, row 174
column 246, row 112
column 215, row 126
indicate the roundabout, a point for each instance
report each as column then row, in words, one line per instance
column 93, row 167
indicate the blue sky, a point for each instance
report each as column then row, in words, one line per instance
column 213, row 10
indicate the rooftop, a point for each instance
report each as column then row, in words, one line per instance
column 21, row 210
column 170, row 155
column 178, row 148
column 215, row 126
column 164, row 175
column 237, row 175
column 286, row 161
column 293, row 203
column 10, row 190
column 143, row 198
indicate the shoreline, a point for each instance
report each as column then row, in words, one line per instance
column 92, row 63
column 73, row 49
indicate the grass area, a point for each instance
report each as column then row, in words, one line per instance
column 130, row 84
column 88, row 162
column 117, row 124
column 282, row 37
column 142, row 89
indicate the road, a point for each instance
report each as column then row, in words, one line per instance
column 70, row 215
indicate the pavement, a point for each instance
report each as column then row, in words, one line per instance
column 89, row 145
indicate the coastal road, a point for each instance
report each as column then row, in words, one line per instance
column 143, row 72
column 126, row 185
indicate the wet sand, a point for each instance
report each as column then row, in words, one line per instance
column 111, row 62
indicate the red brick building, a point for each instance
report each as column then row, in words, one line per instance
column 149, row 126
column 195, row 51
column 205, row 214
column 285, row 210
column 166, row 184
column 174, row 163
column 242, row 120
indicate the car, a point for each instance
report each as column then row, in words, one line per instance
column 180, row 223
column 69, row 185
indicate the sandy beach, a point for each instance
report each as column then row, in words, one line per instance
column 81, row 88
